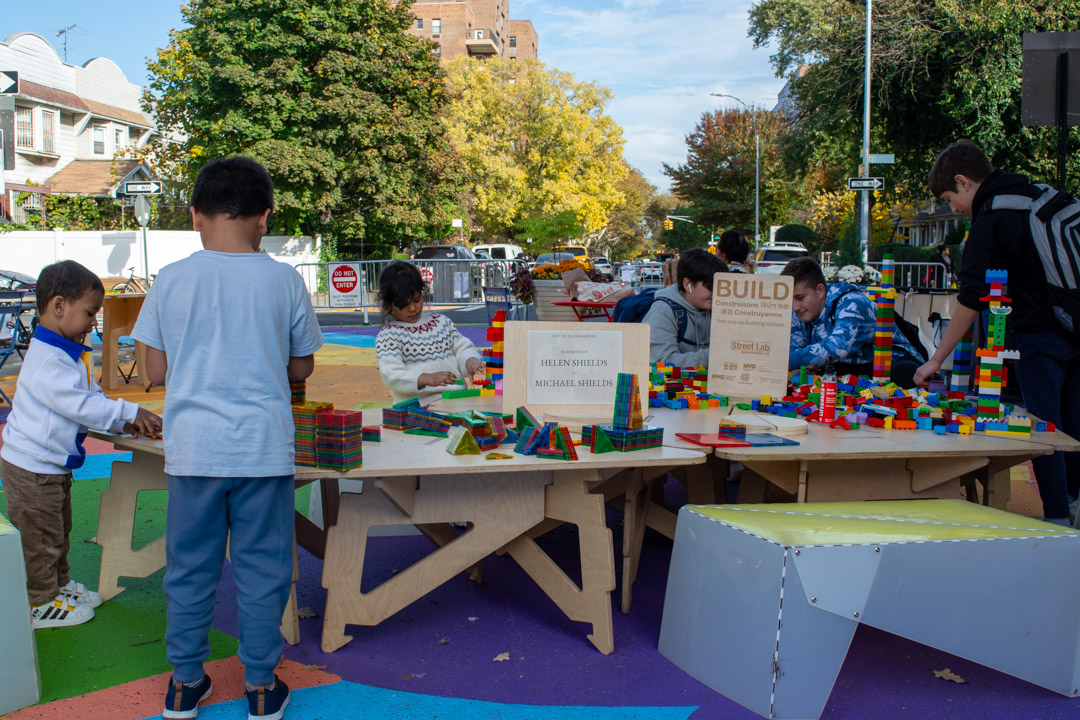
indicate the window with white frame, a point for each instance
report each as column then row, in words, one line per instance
column 27, row 207
column 436, row 26
column 24, row 127
column 99, row 140
column 419, row 23
column 48, row 131
column 118, row 139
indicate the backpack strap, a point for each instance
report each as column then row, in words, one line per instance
column 681, row 318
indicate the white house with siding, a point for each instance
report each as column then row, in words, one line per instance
column 76, row 127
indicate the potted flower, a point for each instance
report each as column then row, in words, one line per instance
column 543, row 285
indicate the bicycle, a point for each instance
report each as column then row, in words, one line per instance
column 132, row 284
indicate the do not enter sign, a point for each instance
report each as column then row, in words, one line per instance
column 345, row 288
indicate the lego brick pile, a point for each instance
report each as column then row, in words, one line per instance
column 681, row 388
column 493, row 361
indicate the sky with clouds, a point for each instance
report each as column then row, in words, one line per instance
column 661, row 58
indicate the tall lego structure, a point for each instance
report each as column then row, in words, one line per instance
column 991, row 359
column 884, row 298
column 961, row 365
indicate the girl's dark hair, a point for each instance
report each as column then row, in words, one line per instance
column 236, row 186
column 961, row 158
column 67, row 279
column 398, row 282
column 734, row 246
column 698, row 265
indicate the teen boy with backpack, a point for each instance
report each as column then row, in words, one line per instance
column 680, row 315
column 1049, row 366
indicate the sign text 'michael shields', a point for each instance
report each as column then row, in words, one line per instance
column 747, row 288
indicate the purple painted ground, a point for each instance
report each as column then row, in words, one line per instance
column 433, row 647
column 476, row 334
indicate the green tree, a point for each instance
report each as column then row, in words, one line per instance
column 942, row 70
column 718, row 177
column 684, row 235
column 332, row 96
column 630, row 224
column 535, row 143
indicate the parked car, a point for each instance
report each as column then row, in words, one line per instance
column 603, row 265
column 16, row 281
column 500, row 251
column 770, row 259
column 449, row 282
column 444, row 252
column 651, row 272
column 552, row 258
column 578, row 252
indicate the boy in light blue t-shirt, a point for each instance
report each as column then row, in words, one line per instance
column 225, row 329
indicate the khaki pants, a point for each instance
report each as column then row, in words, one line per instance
column 40, row 508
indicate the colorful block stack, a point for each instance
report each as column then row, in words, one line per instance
column 991, row 375
column 340, row 439
column 627, row 403
column 372, row 433
column 298, row 389
column 462, row 442
column 600, row 436
column 961, row 365
column 493, row 358
column 885, row 300
column 680, row 388
column 396, row 417
column 305, row 433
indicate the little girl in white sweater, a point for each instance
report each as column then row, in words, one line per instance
column 420, row 353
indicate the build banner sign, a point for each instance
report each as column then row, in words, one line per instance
column 346, row 290
column 751, row 332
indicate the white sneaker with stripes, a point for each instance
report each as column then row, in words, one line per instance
column 81, row 594
column 61, row 612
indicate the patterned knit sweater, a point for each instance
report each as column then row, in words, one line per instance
column 407, row 350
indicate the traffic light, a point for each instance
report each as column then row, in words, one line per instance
column 669, row 225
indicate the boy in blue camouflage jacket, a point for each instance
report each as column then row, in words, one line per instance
column 835, row 325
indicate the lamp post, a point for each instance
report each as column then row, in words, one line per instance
column 757, row 167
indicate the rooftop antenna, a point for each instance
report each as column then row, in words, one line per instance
column 64, row 32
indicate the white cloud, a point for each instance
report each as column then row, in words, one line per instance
column 661, row 58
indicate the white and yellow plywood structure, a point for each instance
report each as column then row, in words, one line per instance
column 763, row 600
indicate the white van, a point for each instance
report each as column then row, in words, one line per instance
column 500, row 251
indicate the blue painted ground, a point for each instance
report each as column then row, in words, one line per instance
column 346, row 700
column 356, row 341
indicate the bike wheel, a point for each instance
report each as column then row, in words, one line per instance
column 131, row 286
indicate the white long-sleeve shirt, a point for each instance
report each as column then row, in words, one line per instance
column 408, row 350
column 55, row 402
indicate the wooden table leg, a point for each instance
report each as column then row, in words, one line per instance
column 290, row 620
column 500, row 508
column 569, row 500
column 116, row 523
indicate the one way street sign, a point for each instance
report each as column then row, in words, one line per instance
column 149, row 187
column 9, row 82
column 866, row 183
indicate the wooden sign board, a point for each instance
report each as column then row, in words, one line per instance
column 566, row 371
column 750, row 336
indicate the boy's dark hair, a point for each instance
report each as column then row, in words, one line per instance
column 398, row 282
column 236, row 186
column 805, row 270
column 698, row 265
column 67, row 279
column 734, row 246
column 961, row 158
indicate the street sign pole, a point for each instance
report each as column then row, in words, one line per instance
column 142, row 214
column 866, row 141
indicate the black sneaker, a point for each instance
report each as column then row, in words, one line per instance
column 182, row 701
column 267, row 704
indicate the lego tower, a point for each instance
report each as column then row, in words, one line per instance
column 991, row 359
column 885, row 299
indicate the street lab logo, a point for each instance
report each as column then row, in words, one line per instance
column 750, row 347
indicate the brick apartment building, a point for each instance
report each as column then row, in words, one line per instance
column 479, row 28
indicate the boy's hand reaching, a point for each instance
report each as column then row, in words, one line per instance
column 435, row 379
column 146, row 423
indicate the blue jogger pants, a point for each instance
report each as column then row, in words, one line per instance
column 202, row 512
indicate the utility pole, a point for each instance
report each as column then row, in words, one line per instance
column 865, row 210
column 64, row 32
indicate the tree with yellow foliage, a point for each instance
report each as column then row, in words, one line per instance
column 535, row 142
column 831, row 212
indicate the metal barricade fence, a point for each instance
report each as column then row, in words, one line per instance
column 919, row 275
column 449, row 281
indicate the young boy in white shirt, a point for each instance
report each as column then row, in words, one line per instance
column 56, row 401
column 225, row 329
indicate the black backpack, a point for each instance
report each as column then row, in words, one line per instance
column 1054, row 220
column 633, row 308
